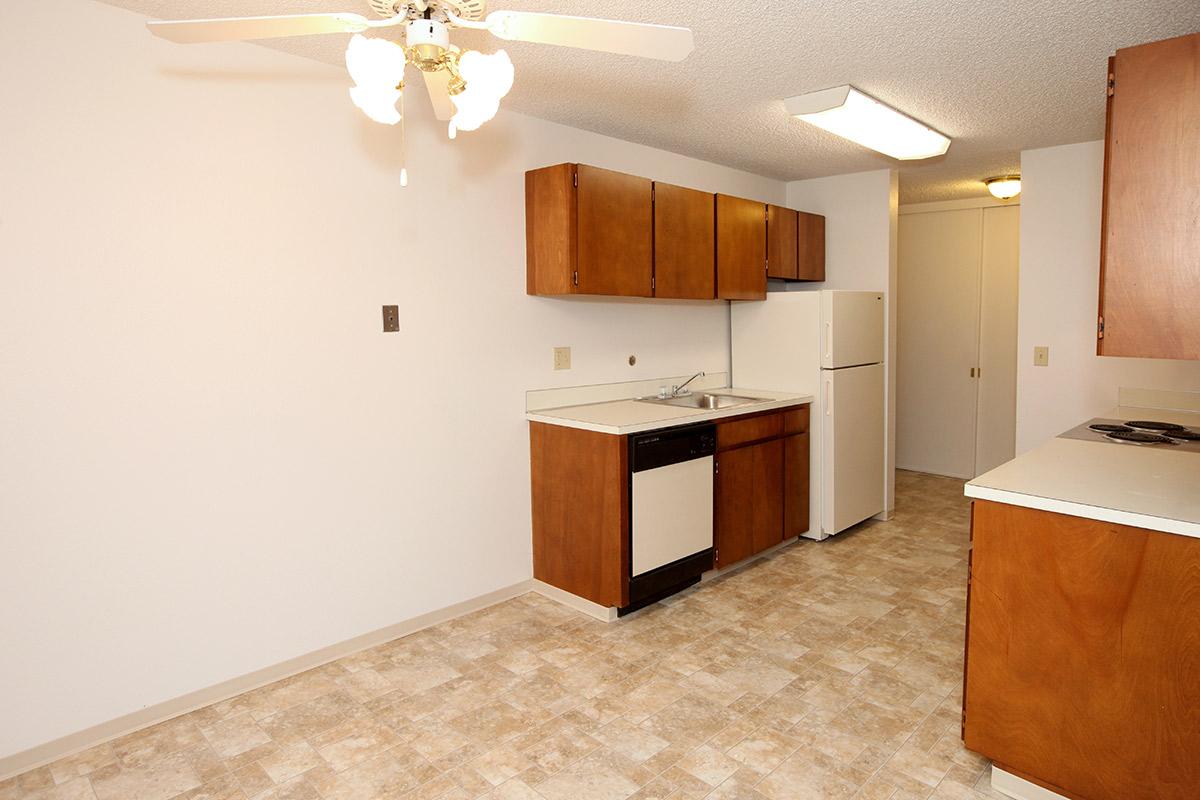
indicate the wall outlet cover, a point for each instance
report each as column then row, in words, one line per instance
column 391, row 319
column 562, row 358
column 1041, row 356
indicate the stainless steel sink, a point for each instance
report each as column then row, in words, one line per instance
column 701, row 400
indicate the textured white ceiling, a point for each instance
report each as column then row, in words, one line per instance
column 998, row 76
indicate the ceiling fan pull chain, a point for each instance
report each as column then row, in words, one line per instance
column 403, row 146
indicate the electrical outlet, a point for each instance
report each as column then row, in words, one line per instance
column 391, row 319
column 562, row 358
column 1041, row 356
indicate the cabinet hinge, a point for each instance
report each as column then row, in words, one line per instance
column 575, row 277
column 1100, row 327
column 1112, row 84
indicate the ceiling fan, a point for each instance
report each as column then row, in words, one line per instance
column 465, row 86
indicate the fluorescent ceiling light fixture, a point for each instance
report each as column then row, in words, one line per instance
column 1004, row 187
column 860, row 118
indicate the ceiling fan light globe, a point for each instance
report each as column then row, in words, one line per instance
column 375, row 62
column 378, row 104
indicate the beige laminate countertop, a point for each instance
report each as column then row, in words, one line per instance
column 1147, row 487
column 636, row 416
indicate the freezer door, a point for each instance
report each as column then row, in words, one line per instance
column 852, row 445
column 852, row 325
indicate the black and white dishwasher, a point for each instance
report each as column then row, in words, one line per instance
column 671, row 511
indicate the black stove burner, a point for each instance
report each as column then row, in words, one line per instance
column 1104, row 427
column 1184, row 435
column 1139, row 437
column 1155, row 426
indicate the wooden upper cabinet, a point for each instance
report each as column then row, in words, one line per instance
column 1150, row 240
column 741, row 249
column 810, row 247
column 684, row 243
column 588, row 231
column 781, row 242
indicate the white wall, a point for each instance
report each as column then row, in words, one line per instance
column 212, row 458
column 860, row 253
column 1059, row 289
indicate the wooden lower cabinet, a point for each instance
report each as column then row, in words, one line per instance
column 580, row 511
column 761, row 493
column 581, row 505
column 749, row 501
column 1083, row 654
column 795, row 485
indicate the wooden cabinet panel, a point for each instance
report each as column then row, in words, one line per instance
column 749, row 501
column 550, row 230
column 580, row 511
column 768, row 508
column 741, row 249
column 748, row 429
column 810, row 247
column 795, row 420
column 1150, row 241
column 795, row 484
column 1083, row 641
column 684, row 243
column 781, row 242
column 615, row 233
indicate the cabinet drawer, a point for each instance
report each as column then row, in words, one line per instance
column 751, row 429
column 795, row 420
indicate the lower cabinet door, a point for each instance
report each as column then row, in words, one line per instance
column 768, row 504
column 795, row 485
column 749, row 501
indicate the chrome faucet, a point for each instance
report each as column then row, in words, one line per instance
column 681, row 389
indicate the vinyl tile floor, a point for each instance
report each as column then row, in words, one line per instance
column 828, row 670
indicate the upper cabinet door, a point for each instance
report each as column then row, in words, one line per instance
column 810, row 259
column 781, row 243
column 1150, row 244
column 684, row 236
column 615, row 233
column 550, row 230
column 741, row 249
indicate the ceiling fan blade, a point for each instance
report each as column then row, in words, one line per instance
column 437, row 84
column 193, row 31
column 611, row 36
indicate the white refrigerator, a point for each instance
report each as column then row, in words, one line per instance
column 829, row 344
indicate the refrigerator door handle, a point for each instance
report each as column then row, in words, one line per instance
column 829, row 341
column 828, row 397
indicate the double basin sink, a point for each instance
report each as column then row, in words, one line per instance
column 703, row 400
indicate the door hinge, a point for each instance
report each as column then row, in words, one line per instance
column 1112, row 84
column 1100, row 327
column 575, row 277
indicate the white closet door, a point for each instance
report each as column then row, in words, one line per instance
column 938, row 339
column 996, row 436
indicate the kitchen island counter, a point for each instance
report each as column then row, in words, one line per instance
column 1155, row 488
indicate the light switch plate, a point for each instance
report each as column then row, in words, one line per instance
column 1041, row 356
column 562, row 358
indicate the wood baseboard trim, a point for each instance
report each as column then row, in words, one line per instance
column 574, row 602
column 76, row 742
column 1019, row 788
